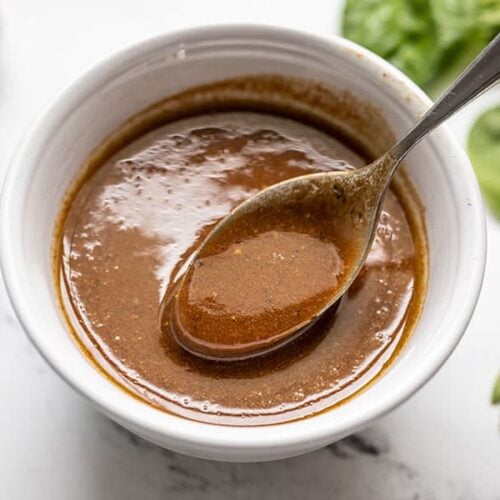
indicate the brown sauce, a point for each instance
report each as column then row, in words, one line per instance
column 143, row 206
column 242, row 294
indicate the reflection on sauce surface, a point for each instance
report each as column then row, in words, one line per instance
column 135, row 222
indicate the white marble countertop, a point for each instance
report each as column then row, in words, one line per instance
column 442, row 444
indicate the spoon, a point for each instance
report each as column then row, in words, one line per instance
column 281, row 259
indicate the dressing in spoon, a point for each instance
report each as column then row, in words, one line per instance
column 282, row 258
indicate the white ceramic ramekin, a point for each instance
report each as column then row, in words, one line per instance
column 104, row 97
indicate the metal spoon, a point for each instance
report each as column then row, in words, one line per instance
column 351, row 199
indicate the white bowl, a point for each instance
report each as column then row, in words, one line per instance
column 104, row 97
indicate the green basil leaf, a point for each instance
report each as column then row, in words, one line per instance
column 401, row 31
column 431, row 41
column 495, row 397
column 484, row 151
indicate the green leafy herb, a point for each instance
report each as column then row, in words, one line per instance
column 429, row 40
column 495, row 397
column 484, row 151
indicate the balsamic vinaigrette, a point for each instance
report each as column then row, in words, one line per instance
column 149, row 196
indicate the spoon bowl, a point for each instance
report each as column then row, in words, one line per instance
column 340, row 208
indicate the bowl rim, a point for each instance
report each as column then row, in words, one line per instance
column 174, row 429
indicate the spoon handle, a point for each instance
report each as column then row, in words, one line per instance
column 483, row 72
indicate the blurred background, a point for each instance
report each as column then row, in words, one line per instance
column 442, row 444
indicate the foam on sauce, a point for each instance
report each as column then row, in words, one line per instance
column 133, row 225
